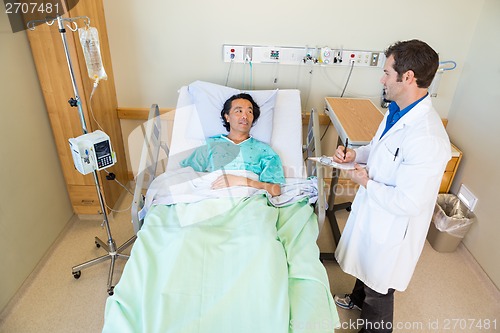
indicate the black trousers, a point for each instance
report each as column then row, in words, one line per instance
column 377, row 310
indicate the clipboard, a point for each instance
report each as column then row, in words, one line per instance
column 328, row 161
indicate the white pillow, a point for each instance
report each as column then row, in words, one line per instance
column 209, row 99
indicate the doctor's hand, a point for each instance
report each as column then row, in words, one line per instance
column 339, row 157
column 359, row 175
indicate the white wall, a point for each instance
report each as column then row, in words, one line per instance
column 474, row 123
column 34, row 204
column 158, row 46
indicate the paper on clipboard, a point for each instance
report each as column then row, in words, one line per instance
column 328, row 161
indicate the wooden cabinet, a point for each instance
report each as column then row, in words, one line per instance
column 451, row 169
column 55, row 82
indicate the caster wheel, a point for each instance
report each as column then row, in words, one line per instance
column 111, row 291
column 348, row 209
column 97, row 245
column 77, row 274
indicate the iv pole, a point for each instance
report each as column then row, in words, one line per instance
column 110, row 246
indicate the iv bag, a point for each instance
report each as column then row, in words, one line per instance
column 92, row 53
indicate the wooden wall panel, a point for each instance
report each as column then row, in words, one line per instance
column 55, row 81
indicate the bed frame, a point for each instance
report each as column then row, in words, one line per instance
column 152, row 131
column 148, row 163
column 312, row 148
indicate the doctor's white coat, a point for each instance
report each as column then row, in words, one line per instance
column 387, row 227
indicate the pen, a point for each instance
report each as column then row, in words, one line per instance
column 345, row 147
column 396, row 153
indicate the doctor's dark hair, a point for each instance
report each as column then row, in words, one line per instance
column 229, row 102
column 416, row 56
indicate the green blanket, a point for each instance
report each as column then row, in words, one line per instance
column 248, row 267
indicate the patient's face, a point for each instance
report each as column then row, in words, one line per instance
column 240, row 117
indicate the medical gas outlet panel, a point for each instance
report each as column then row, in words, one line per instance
column 301, row 55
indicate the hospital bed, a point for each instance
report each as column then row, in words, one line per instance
column 232, row 261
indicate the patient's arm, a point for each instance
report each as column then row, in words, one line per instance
column 232, row 180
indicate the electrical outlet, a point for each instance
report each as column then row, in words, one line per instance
column 359, row 58
column 233, row 53
column 247, row 53
column 374, row 59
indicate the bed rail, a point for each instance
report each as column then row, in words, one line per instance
column 313, row 149
column 148, row 163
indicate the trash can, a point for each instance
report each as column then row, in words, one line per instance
column 450, row 223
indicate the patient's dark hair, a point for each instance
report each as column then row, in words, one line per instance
column 227, row 107
column 416, row 56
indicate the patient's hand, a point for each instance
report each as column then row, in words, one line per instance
column 228, row 181
column 232, row 180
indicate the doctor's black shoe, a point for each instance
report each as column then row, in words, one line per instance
column 345, row 302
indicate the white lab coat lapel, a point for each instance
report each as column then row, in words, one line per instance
column 413, row 115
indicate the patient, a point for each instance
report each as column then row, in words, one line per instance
column 239, row 151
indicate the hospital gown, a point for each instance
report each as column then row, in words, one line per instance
column 220, row 153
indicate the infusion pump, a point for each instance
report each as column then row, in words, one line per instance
column 92, row 151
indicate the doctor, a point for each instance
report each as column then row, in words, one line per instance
column 405, row 162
